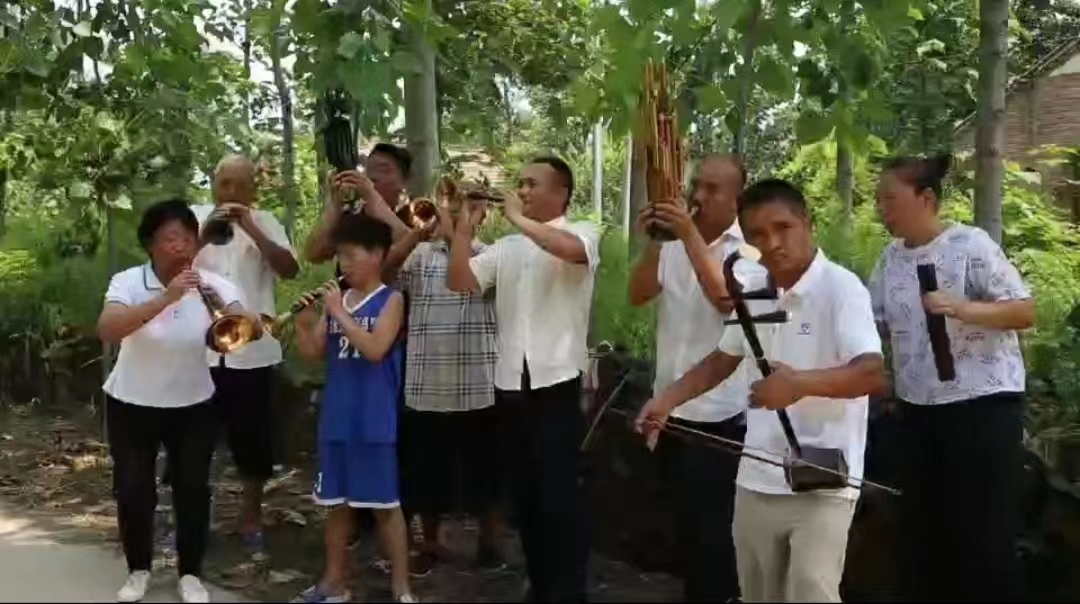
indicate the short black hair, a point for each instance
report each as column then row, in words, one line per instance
column 163, row 212
column 362, row 231
column 400, row 155
column 564, row 171
column 921, row 173
column 772, row 190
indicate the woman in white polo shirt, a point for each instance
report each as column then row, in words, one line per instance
column 961, row 438
column 158, row 393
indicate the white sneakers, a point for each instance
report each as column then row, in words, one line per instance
column 135, row 587
column 190, row 588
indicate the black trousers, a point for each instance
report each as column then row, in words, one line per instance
column 960, row 469
column 542, row 431
column 702, row 483
column 135, row 434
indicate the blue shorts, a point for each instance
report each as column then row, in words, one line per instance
column 360, row 475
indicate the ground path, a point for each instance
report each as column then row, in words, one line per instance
column 58, row 537
column 37, row 566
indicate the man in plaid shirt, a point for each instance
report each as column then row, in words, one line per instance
column 450, row 451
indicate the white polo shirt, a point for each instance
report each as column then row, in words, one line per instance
column 831, row 323
column 541, row 306
column 970, row 266
column 243, row 263
column 688, row 327
column 163, row 363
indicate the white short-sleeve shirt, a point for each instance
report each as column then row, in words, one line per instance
column 831, row 323
column 688, row 327
column 163, row 363
column 971, row 266
column 241, row 262
column 541, row 306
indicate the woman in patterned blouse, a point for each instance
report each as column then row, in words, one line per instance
column 961, row 438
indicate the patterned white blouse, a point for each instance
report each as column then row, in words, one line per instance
column 971, row 266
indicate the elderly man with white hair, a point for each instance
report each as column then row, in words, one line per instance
column 257, row 255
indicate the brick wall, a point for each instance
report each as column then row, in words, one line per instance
column 1044, row 112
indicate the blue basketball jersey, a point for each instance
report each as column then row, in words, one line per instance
column 360, row 397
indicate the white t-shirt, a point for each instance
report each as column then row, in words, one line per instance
column 243, row 263
column 541, row 306
column 831, row 324
column 970, row 265
column 163, row 363
column 688, row 327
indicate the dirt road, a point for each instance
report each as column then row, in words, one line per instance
column 37, row 567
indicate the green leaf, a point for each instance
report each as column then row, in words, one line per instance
column 811, row 127
column 349, row 45
column 405, row 62
column 726, row 13
column 711, row 99
column 915, row 13
column 82, row 29
column 934, row 45
column 80, row 190
column 585, row 97
column 774, row 77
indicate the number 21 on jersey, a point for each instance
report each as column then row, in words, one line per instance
column 346, row 351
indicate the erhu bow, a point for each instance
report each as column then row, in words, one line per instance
column 805, row 468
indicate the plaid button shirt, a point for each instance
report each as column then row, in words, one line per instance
column 451, row 353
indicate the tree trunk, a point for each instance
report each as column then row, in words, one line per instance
column 749, row 48
column 246, row 9
column 288, row 151
column 598, row 169
column 639, row 193
column 845, row 181
column 627, row 188
column 990, row 118
column 421, row 117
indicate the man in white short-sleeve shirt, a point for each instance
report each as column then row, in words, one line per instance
column 685, row 277
column 543, row 279
column 257, row 255
column 827, row 359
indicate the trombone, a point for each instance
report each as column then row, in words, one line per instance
column 228, row 331
column 273, row 325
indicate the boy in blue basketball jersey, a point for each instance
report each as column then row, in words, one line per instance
column 358, row 336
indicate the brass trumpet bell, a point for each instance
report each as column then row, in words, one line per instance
column 423, row 212
column 230, row 332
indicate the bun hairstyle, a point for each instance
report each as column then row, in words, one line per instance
column 922, row 173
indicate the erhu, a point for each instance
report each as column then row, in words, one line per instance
column 659, row 144
column 805, row 468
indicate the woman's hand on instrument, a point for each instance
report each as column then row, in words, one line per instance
column 941, row 303
column 778, row 391
column 651, row 420
column 674, row 217
column 185, row 280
